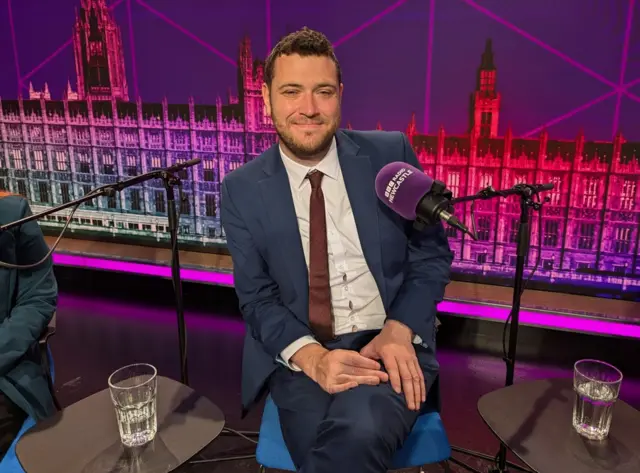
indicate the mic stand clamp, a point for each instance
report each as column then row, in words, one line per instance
column 437, row 199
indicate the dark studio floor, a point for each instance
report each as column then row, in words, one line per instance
column 107, row 322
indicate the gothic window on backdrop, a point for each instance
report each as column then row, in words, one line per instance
column 209, row 170
column 550, row 233
column 484, row 228
column 65, row 192
column 136, row 201
column 185, row 206
column 17, row 159
column 39, row 160
column 86, row 189
column 453, row 183
column 519, row 179
column 485, row 124
column 156, row 162
column 628, row 195
column 60, row 158
column 160, row 202
column 556, row 193
column 451, row 232
column 108, row 164
column 84, row 165
column 22, row 188
column 622, row 240
column 485, row 81
column 586, row 232
column 211, row 206
column 43, row 192
column 486, row 180
column 131, row 168
column 590, row 192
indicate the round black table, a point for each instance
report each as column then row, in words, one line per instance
column 533, row 419
column 84, row 438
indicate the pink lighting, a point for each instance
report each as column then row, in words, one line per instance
column 486, row 312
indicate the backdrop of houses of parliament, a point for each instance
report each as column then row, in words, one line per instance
column 58, row 144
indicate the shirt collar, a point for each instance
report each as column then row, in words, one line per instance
column 298, row 172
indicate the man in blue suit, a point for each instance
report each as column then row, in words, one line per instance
column 339, row 293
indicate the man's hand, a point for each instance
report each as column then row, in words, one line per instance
column 338, row 370
column 393, row 345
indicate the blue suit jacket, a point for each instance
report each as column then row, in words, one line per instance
column 28, row 299
column 410, row 268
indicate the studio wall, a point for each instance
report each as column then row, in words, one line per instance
column 491, row 93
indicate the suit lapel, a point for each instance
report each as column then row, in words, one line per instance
column 281, row 214
column 359, row 179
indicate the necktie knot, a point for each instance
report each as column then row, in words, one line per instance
column 315, row 178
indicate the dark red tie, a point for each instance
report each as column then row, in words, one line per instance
column 319, row 291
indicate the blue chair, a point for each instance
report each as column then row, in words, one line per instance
column 10, row 463
column 427, row 443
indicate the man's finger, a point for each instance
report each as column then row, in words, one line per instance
column 422, row 382
column 417, row 384
column 407, row 384
column 355, row 371
column 391, row 366
column 353, row 358
column 339, row 388
column 345, row 378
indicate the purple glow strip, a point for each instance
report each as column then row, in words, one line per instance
column 486, row 312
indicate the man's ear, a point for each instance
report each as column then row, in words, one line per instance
column 266, row 97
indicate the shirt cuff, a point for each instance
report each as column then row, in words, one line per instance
column 418, row 341
column 288, row 352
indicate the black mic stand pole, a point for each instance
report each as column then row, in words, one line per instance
column 525, row 192
column 170, row 181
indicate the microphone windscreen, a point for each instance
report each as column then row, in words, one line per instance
column 401, row 186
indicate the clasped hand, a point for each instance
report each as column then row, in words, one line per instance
column 339, row 370
column 394, row 346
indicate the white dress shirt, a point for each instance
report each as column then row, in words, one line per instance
column 355, row 298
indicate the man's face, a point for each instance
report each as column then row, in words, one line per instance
column 304, row 103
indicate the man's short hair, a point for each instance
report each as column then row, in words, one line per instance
column 304, row 42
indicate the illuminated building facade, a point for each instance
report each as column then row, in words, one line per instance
column 54, row 151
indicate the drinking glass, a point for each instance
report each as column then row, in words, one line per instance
column 596, row 385
column 133, row 392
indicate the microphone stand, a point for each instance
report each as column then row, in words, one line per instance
column 526, row 193
column 170, row 181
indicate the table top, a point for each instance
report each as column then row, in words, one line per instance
column 534, row 420
column 84, row 438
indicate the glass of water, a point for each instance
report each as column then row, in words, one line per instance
column 133, row 392
column 596, row 385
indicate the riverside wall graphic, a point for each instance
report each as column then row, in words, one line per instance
column 57, row 145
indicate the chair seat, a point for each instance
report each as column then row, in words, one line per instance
column 427, row 443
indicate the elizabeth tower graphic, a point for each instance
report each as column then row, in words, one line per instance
column 53, row 151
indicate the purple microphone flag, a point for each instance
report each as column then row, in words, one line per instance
column 401, row 186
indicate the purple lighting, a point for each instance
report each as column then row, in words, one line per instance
column 486, row 312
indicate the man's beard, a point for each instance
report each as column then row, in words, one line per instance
column 302, row 150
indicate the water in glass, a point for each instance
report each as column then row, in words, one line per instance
column 596, row 386
column 133, row 392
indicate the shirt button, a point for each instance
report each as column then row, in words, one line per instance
column 354, row 328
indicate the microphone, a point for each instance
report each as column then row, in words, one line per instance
column 415, row 196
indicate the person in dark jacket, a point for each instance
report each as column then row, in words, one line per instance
column 28, row 299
